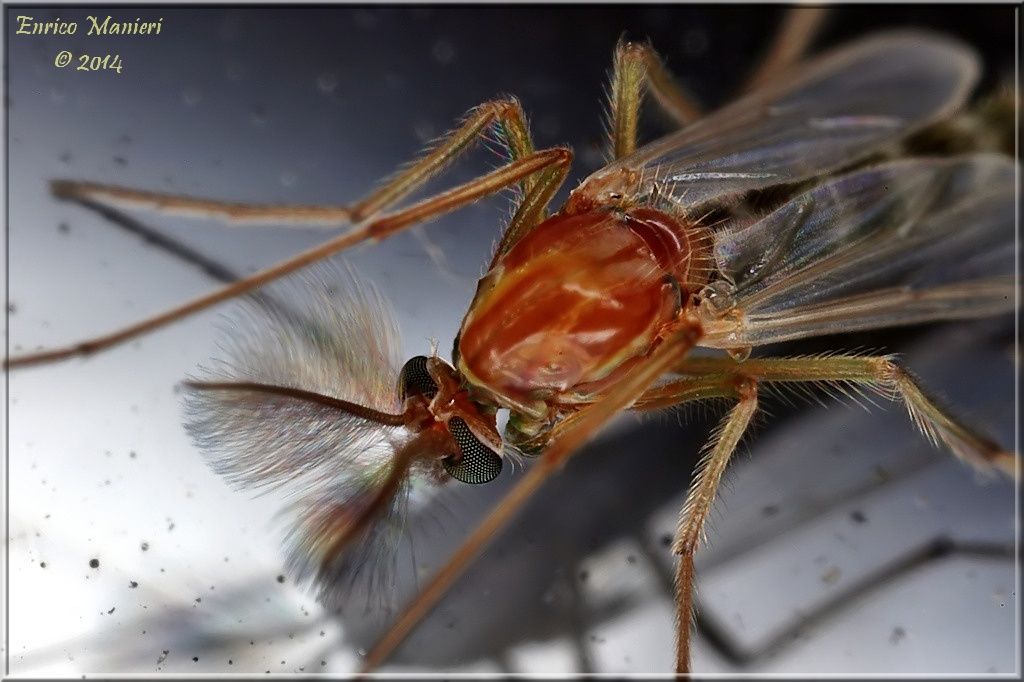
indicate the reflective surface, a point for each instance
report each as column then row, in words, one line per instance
column 842, row 543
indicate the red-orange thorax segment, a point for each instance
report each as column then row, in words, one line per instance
column 573, row 300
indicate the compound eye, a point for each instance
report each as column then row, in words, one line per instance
column 478, row 463
column 415, row 379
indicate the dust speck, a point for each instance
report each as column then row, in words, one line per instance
column 289, row 178
column 831, row 575
column 695, row 42
column 327, row 82
column 258, row 116
column 191, row 97
column 443, row 52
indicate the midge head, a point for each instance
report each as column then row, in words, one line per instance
column 434, row 400
column 449, row 428
column 352, row 500
column 312, row 400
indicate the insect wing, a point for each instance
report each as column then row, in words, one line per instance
column 899, row 243
column 821, row 117
column 328, row 463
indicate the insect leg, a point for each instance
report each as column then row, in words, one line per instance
column 698, row 504
column 376, row 230
column 505, row 115
column 566, row 439
column 533, row 207
column 636, row 67
column 797, row 32
column 881, row 374
column 685, row 390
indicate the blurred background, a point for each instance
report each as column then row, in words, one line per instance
column 841, row 543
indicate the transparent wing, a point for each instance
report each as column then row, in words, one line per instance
column 899, row 243
column 337, row 339
column 822, row 116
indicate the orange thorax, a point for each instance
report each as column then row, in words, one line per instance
column 573, row 300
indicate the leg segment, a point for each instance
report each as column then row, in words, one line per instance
column 722, row 377
column 504, row 115
column 376, row 230
column 566, row 439
column 882, row 375
column 798, row 30
column 533, row 207
column 698, row 505
column 636, row 68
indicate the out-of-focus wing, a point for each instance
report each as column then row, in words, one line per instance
column 823, row 116
column 899, row 243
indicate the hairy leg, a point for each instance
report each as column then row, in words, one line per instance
column 566, row 439
column 880, row 374
column 690, row 531
column 637, row 69
column 377, row 229
column 799, row 28
column 532, row 209
column 505, row 117
column 723, row 377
